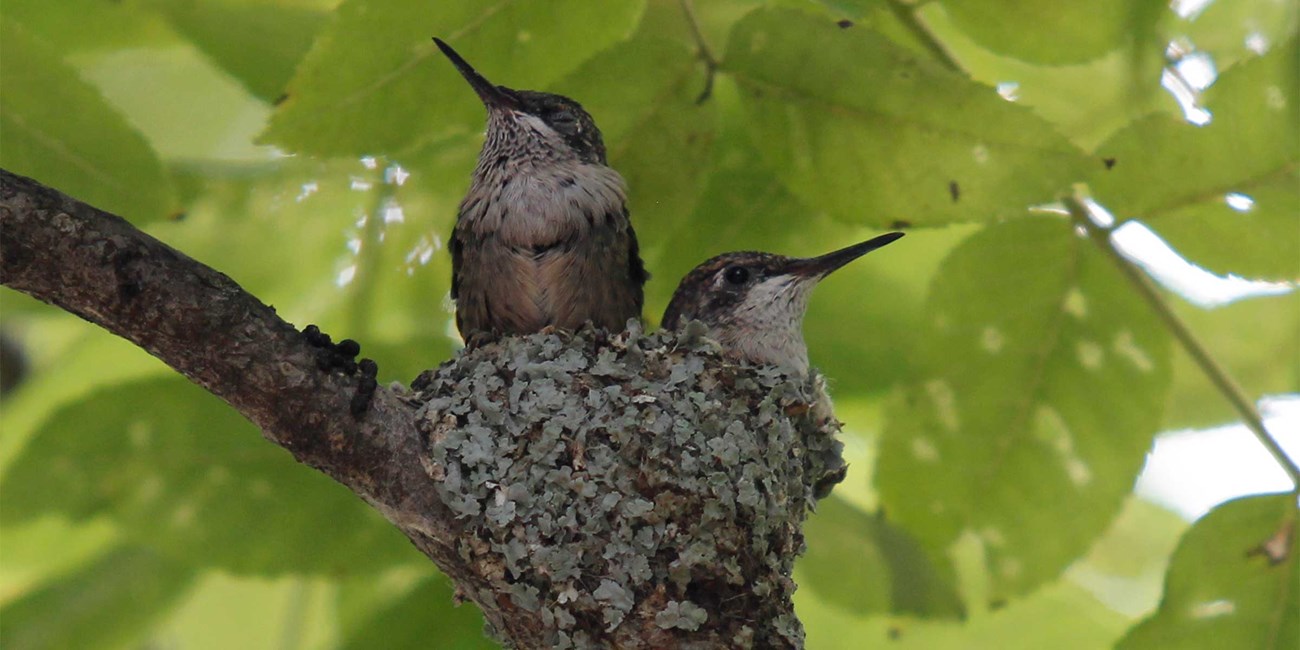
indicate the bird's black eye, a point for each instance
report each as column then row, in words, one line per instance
column 736, row 274
column 563, row 120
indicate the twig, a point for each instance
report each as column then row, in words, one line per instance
column 703, row 50
column 906, row 15
column 1081, row 215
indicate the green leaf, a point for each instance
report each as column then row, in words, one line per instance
column 1053, row 33
column 1038, row 388
column 1176, row 177
column 259, row 43
column 1223, row 589
column 426, row 613
column 88, row 25
column 867, row 566
column 1062, row 616
column 1120, row 85
column 81, row 359
column 106, row 604
column 643, row 95
column 743, row 206
column 187, row 474
column 859, row 299
column 1259, row 241
column 894, row 21
column 204, row 115
column 58, row 130
column 375, row 83
column 254, row 613
column 1233, row 31
column 858, row 128
column 49, row 548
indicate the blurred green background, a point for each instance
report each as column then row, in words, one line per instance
column 1000, row 382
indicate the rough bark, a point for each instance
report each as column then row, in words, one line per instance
column 201, row 323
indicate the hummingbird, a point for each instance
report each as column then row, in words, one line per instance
column 542, row 237
column 753, row 303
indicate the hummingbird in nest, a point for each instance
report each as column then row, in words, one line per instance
column 753, row 303
column 542, row 238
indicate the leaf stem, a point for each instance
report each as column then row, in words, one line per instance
column 1100, row 235
column 906, row 15
column 702, row 46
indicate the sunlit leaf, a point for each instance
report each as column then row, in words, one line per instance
column 110, row 601
column 88, row 25
column 358, row 598
column 251, row 612
column 424, row 614
column 1232, row 31
column 1226, row 195
column 1258, row 239
column 48, row 548
column 187, row 474
column 1234, row 581
column 374, row 82
column 90, row 153
column 1142, row 536
column 1121, row 85
column 258, row 43
column 1061, row 615
column 857, row 127
column 206, row 115
column 889, row 19
column 1053, row 32
column 828, row 122
column 1038, row 387
column 1125, row 566
column 866, row 565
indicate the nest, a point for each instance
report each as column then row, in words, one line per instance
column 633, row 481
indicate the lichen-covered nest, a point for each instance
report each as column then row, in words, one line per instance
column 631, row 480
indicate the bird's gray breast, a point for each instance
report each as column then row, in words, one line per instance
column 532, row 207
column 544, row 246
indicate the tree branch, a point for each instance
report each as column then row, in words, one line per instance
column 201, row 323
column 583, row 489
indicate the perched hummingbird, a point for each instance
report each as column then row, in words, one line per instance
column 542, row 237
column 754, row 303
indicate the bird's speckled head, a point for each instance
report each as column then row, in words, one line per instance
column 528, row 123
column 753, row 303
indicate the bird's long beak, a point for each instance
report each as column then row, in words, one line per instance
column 823, row 265
column 493, row 96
